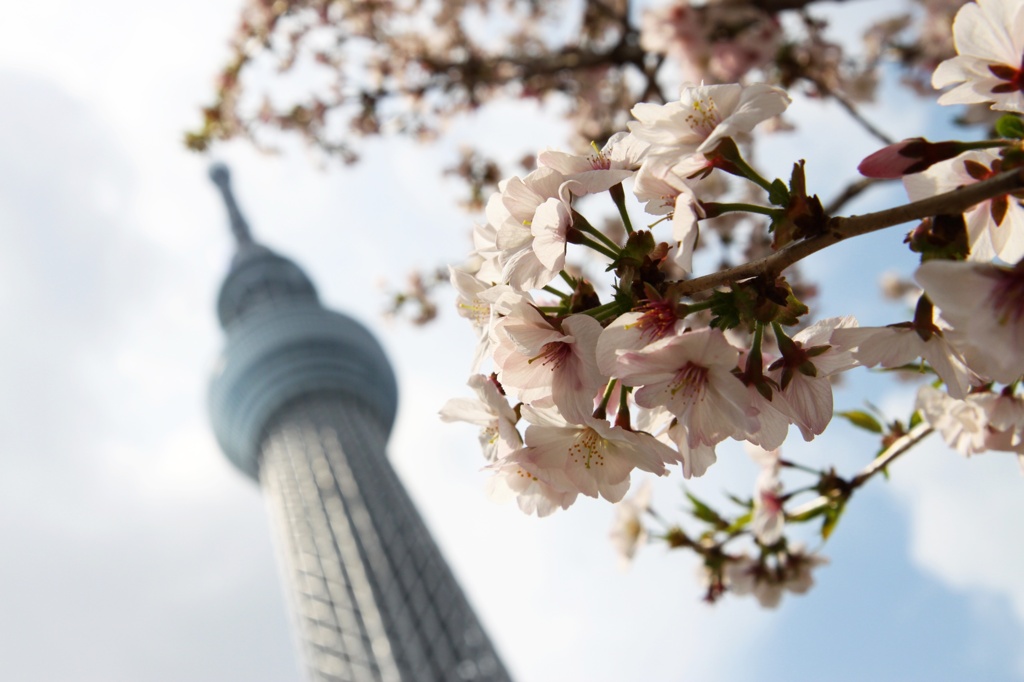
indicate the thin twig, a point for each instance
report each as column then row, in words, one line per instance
column 850, row 192
column 897, row 448
column 855, row 114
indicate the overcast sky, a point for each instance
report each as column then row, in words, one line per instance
column 131, row 550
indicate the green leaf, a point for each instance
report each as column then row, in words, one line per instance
column 779, row 193
column 862, row 420
column 706, row 513
column 1010, row 126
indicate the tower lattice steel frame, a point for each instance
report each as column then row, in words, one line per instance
column 303, row 400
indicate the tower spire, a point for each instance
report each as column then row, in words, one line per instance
column 239, row 227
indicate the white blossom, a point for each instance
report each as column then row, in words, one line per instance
column 536, row 359
column 985, row 306
column 989, row 39
column 899, row 345
column 491, row 411
column 704, row 116
column 691, row 375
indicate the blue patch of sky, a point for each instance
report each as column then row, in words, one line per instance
column 873, row 616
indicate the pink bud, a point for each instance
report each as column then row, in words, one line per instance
column 909, row 156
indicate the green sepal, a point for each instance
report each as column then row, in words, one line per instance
column 639, row 244
column 756, row 300
column 1010, row 126
column 779, row 193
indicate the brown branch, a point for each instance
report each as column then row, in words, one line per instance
column 838, row 229
column 567, row 59
column 774, row 6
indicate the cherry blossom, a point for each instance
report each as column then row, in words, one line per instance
column 696, row 459
column 483, row 305
column 772, row 422
column 767, row 583
column 635, row 330
column 983, row 421
column 530, row 216
column 989, row 39
column 691, row 375
column 664, row 190
column 617, row 160
column 1004, row 412
column 985, row 306
column 717, row 41
column 491, row 411
column 532, row 495
column 961, row 423
column 804, row 370
column 769, row 519
column 593, row 458
column 901, row 344
column 537, row 359
column 704, row 116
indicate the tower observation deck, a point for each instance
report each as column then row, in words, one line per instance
column 303, row 400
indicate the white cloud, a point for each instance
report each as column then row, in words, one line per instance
column 965, row 519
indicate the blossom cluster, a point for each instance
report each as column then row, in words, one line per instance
column 579, row 383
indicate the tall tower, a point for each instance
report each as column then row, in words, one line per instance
column 303, row 400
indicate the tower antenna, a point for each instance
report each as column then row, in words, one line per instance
column 221, row 177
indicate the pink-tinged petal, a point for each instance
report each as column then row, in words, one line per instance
column 947, row 363
column 1008, row 239
column 621, row 335
column 696, row 459
column 979, row 30
column 809, row 403
column 532, row 495
column 885, row 346
column 548, row 229
column 522, row 270
column 684, row 230
column 961, row 423
column 724, row 411
column 644, row 368
column 953, row 286
column 466, row 410
column 594, row 181
column 578, row 380
column 985, row 308
column 772, row 424
column 528, row 330
column 820, row 333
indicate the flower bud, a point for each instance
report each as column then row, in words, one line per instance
column 909, row 156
